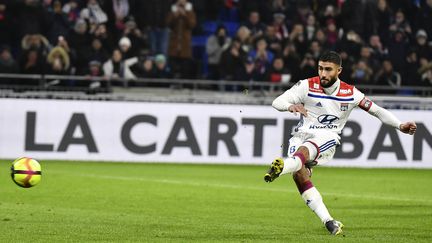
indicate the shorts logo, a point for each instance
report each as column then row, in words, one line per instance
column 318, row 104
column 292, row 149
column 327, row 119
column 344, row 106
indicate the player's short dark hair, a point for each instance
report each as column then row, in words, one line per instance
column 331, row 56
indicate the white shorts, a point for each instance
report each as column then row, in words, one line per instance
column 326, row 144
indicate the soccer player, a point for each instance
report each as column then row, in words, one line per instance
column 324, row 103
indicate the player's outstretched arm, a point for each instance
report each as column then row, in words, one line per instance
column 387, row 117
column 408, row 127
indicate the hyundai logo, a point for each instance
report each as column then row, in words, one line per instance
column 327, row 119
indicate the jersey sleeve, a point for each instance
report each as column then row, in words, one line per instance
column 382, row 114
column 294, row 95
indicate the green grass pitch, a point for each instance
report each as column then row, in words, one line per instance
column 126, row 202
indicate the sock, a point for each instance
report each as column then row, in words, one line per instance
column 293, row 164
column 314, row 201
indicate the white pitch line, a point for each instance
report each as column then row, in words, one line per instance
column 190, row 183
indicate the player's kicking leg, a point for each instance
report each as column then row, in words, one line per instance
column 292, row 164
column 275, row 170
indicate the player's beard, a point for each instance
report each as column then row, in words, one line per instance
column 330, row 83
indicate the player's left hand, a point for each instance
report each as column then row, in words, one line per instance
column 408, row 127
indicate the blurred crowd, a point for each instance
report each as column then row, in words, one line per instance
column 381, row 42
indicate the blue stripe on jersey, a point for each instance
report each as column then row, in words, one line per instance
column 326, row 143
column 330, row 97
column 327, row 147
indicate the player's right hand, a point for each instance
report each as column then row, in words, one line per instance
column 298, row 108
column 408, row 127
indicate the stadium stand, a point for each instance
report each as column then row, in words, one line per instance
column 390, row 55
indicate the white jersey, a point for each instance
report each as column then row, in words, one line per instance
column 327, row 113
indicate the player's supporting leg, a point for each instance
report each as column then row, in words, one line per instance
column 314, row 201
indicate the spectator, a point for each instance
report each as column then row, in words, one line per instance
column 144, row 68
column 298, row 38
column 310, row 27
column 410, row 75
column 36, row 41
column 278, row 6
column 425, row 17
column 378, row 51
column 6, row 28
column 425, row 71
column 331, row 34
column 383, row 21
column 95, row 75
column 292, row 60
column 162, row 69
column 399, row 23
column 216, row 44
column 387, row 76
column 244, row 36
column 30, row 18
column 329, row 16
column 302, row 11
column 263, row 58
column 248, row 72
column 353, row 15
column 125, row 46
column 274, row 43
column 58, row 61
column 308, row 66
column 361, row 73
column 94, row 69
column 72, row 11
column 422, row 46
column 369, row 59
column 32, row 63
column 137, row 38
column 280, row 28
column 100, row 32
column 98, row 52
column 254, row 24
column 398, row 49
column 60, row 24
column 321, row 39
column 278, row 72
column 116, row 67
column 150, row 16
column 315, row 49
column 348, row 63
column 232, row 58
column 7, row 62
column 121, row 11
column 79, row 41
column 93, row 14
column 351, row 43
column 181, row 21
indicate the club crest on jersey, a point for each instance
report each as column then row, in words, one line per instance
column 344, row 106
column 316, row 86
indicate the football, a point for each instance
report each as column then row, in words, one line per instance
column 26, row 172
